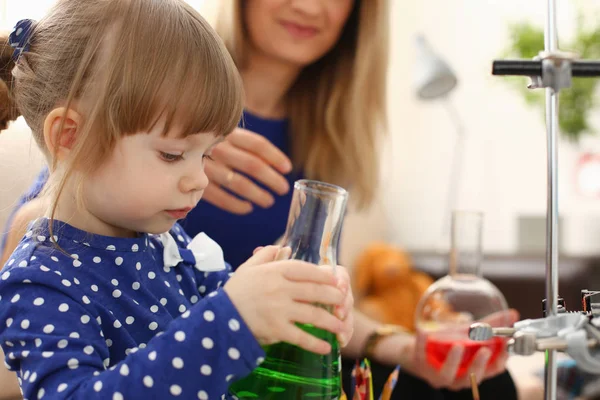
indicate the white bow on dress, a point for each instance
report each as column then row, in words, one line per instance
column 207, row 253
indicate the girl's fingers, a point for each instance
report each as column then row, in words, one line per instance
column 262, row 256
column 316, row 316
column 345, row 336
column 316, row 293
column 300, row 271
column 294, row 335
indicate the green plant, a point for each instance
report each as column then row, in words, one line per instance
column 575, row 103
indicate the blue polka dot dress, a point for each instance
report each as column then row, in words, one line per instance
column 108, row 318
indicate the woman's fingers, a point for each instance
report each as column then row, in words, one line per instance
column 480, row 363
column 218, row 197
column 250, row 164
column 242, row 158
column 239, row 184
column 502, row 318
column 447, row 373
column 420, row 350
column 258, row 144
column 498, row 366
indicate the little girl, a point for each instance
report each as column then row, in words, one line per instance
column 107, row 297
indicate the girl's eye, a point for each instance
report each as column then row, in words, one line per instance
column 208, row 157
column 170, row 157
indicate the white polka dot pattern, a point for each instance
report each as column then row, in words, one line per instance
column 111, row 314
column 177, row 363
column 148, row 381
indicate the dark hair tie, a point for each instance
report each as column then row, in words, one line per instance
column 19, row 38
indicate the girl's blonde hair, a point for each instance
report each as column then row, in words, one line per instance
column 337, row 106
column 124, row 65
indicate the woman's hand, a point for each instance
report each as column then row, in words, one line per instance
column 446, row 377
column 247, row 153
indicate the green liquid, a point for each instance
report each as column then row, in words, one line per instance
column 291, row 373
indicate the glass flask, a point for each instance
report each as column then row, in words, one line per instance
column 312, row 234
column 452, row 303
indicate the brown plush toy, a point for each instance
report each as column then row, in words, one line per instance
column 387, row 288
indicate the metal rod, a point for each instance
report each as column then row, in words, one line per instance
column 552, row 236
column 551, row 45
column 560, row 345
column 580, row 69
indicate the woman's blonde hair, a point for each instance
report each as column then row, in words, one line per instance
column 337, row 106
column 124, row 65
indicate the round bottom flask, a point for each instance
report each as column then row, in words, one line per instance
column 455, row 301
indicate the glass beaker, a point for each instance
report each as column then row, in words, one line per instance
column 453, row 302
column 312, row 234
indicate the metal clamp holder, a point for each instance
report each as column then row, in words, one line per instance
column 580, row 348
column 556, row 71
column 552, row 326
column 572, row 333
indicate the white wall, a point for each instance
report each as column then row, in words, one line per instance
column 505, row 160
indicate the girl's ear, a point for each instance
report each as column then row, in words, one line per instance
column 60, row 137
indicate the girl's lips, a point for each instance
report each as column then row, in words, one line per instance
column 179, row 214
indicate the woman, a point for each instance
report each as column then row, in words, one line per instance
column 314, row 73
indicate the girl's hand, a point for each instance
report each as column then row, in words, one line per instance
column 345, row 311
column 272, row 296
column 245, row 152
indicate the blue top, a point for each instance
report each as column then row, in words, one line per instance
column 111, row 321
column 238, row 235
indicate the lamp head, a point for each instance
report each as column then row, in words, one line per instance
column 433, row 76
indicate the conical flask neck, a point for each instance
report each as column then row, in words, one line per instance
column 315, row 222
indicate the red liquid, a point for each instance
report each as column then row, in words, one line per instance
column 437, row 349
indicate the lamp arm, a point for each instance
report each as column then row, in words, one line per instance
column 456, row 169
